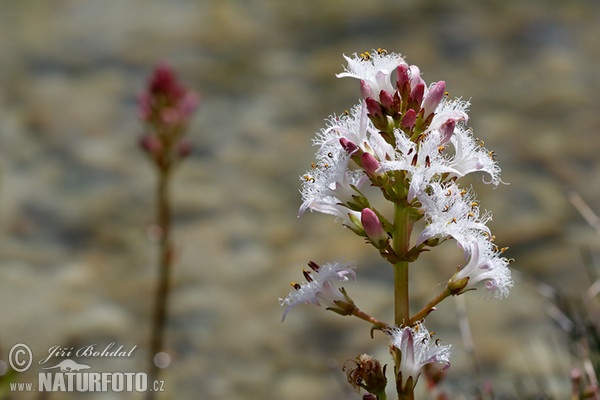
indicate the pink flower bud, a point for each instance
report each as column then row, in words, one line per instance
column 150, row 144
column 402, row 82
column 369, row 164
column 376, row 114
column 433, row 98
column 348, row 145
column 365, row 89
column 408, row 119
column 188, row 104
column 416, row 95
column 374, row 108
column 373, row 228
column 447, row 129
column 164, row 82
column 387, row 101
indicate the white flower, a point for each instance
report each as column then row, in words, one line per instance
column 485, row 265
column 375, row 70
column 451, row 212
column 331, row 183
column 422, row 161
column 470, row 156
column 319, row 286
column 417, row 349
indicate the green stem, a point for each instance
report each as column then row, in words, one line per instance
column 159, row 319
column 429, row 306
column 366, row 317
column 401, row 245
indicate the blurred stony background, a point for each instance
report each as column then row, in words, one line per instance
column 76, row 265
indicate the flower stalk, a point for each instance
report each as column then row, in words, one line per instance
column 165, row 107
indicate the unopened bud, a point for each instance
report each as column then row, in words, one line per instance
column 349, row 146
column 447, row 129
column 389, row 104
column 369, row 164
column 402, row 82
column 150, row 144
column 416, row 95
column 365, row 89
column 433, row 98
column 376, row 114
column 373, row 228
column 408, row 119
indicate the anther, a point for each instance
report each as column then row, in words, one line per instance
column 314, row 266
column 414, row 160
column 307, row 275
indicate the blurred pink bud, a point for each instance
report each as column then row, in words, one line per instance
column 188, row 104
column 165, row 100
column 150, row 144
column 164, row 82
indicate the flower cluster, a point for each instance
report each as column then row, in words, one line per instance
column 409, row 141
column 166, row 107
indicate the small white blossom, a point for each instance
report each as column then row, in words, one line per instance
column 417, row 349
column 485, row 265
column 319, row 287
column 330, row 184
column 451, row 212
column 470, row 156
column 423, row 162
column 375, row 70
